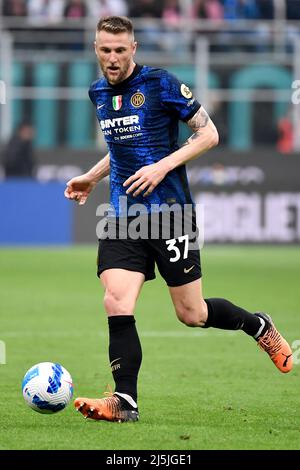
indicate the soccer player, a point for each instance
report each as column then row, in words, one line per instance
column 138, row 108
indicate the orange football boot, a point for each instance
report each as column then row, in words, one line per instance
column 108, row 408
column 276, row 346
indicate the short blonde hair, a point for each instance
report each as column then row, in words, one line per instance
column 115, row 25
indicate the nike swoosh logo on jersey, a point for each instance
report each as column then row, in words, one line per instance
column 100, row 106
column 186, row 271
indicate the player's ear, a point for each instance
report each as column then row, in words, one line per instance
column 134, row 47
column 95, row 48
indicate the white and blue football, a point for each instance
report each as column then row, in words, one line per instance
column 47, row 387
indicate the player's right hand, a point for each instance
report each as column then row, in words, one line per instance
column 79, row 188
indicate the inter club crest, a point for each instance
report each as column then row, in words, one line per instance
column 138, row 99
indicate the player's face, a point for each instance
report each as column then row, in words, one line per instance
column 115, row 54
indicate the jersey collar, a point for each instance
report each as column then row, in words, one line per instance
column 135, row 72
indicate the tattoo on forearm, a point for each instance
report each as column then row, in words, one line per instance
column 195, row 136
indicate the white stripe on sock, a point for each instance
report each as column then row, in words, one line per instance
column 127, row 398
column 263, row 323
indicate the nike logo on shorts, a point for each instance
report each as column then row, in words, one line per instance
column 186, row 271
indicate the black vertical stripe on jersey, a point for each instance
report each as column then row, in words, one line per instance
column 184, row 182
column 173, row 145
column 173, row 134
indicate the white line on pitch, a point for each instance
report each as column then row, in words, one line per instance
column 143, row 334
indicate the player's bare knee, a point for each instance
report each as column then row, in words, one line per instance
column 117, row 304
column 190, row 316
column 193, row 321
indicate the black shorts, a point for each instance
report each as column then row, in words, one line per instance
column 176, row 254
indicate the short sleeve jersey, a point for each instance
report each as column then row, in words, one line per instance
column 139, row 119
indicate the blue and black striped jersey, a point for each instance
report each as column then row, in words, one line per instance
column 139, row 118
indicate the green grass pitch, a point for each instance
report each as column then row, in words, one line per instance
column 198, row 389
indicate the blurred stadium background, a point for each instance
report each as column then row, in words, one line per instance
column 242, row 59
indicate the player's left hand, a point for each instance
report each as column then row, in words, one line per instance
column 145, row 179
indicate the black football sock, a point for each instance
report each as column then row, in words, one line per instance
column 125, row 354
column 227, row 316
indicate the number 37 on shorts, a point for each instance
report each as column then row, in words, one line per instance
column 172, row 246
